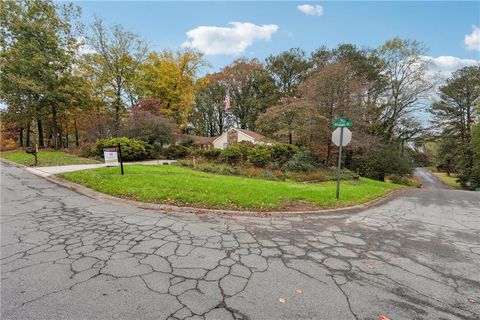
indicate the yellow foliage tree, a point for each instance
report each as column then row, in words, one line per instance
column 171, row 77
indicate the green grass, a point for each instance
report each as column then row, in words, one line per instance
column 448, row 180
column 182, row 186
column 45, row 158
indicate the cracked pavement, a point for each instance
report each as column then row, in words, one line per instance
column 67, row 256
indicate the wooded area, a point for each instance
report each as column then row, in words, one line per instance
column 67, row 85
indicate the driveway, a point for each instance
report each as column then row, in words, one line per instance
column 429, row 181
column 67, row 256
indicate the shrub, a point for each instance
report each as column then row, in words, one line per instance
column 251, row 172
column 235, row 154
column 87, row 151
column 313, row 176
column 132, row 149
column 267, row 174
column 304, row 161
column 282, row 153
column 259, row 156
column 405, row 180
column 145, row 126
column 176, row 152
column 209, row 154
column 227, row 171
column 382, row 161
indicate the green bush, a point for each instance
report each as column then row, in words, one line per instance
column 282, row 153
column 132, row 149
column 404, row 180
column 87, row 151
column 235, row 154
column 377, row 163
column 303, row 161
column 176, row 152
column 259, row 156
column 209, row 154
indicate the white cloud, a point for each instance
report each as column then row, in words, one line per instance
column 472, row 40
column 311, row 10
column 231, row 40
column 444, row 66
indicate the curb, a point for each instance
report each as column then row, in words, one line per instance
column 170, row 208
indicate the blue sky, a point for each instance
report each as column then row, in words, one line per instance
column 266, row 28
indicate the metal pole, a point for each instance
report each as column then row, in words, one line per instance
column 120, row 156
column 339, row 163
column 36, row 154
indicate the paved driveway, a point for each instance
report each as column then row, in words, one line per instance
column 66, row 256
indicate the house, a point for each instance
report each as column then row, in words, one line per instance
column 235, row 135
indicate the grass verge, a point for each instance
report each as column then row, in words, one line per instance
column 182, row 186
column 45, row 158
column 448, row 180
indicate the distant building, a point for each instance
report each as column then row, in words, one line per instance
column 235, row 135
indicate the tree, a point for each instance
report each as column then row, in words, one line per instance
column 405, row 83
column 456, row 113
column 252, row 91
column 171, row 78
column 208, row 116
column 294, row 120
column 153, row 129
column 475, row 146
column 335, row 90
column 288, row 68
column 115, row 64
column 39, row 45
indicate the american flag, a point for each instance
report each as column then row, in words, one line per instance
column 227, row 100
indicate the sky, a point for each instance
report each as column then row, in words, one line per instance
column 226, row 30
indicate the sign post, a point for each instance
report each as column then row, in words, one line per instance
column 339, row 174
column 34, row 152
column 341, row 136
column 112, row 156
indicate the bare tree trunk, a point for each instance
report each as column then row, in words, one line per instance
column 56, row 132
column 329, row 154
column 41, row 142
column 66, row 133
column 27, row 141
column 21, row 137
column 76, row 131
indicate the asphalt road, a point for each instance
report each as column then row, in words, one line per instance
column 429, row 181
column 66, row 256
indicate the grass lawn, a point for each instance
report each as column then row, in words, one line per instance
column 448, row 180
column 45, row 158
column 183, row 186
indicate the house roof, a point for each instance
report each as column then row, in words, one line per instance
column 254, row 135
column 196, row 139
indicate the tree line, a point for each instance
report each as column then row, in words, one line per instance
column 66, row 84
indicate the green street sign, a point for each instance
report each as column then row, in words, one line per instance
column 342, row 122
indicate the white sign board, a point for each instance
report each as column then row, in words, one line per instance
column 111, row 157
column 347, row 136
